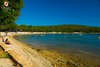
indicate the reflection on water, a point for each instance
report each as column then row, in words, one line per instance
column 99, row 37
column 65, row 43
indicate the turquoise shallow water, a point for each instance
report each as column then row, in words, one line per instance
column 65, row 43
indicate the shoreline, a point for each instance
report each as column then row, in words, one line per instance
column 25, row 55
column 67, row 60
column 53, row 58
column 40, row 61
column 30, row 33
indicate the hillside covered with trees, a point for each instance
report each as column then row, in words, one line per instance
column 60, row 28
column 54, row 28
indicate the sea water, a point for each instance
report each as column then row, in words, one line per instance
column 64, row 43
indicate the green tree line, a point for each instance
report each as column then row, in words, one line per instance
column 60, row 28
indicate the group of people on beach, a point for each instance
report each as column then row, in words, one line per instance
column 5, row 40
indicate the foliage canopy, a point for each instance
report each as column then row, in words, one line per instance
column 9, row 14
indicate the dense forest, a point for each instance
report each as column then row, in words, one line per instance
column 54, row 28
column 60, row 28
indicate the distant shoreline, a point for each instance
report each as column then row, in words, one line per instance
column 28, row 33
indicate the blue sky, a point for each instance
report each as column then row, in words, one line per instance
column 55, row 12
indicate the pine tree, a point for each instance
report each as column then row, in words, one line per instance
column 9, row 11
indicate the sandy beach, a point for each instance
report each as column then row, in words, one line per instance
column 23, row 54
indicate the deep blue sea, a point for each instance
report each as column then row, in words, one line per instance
column 65, row 43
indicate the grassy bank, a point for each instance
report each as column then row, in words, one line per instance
column 3, row 54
